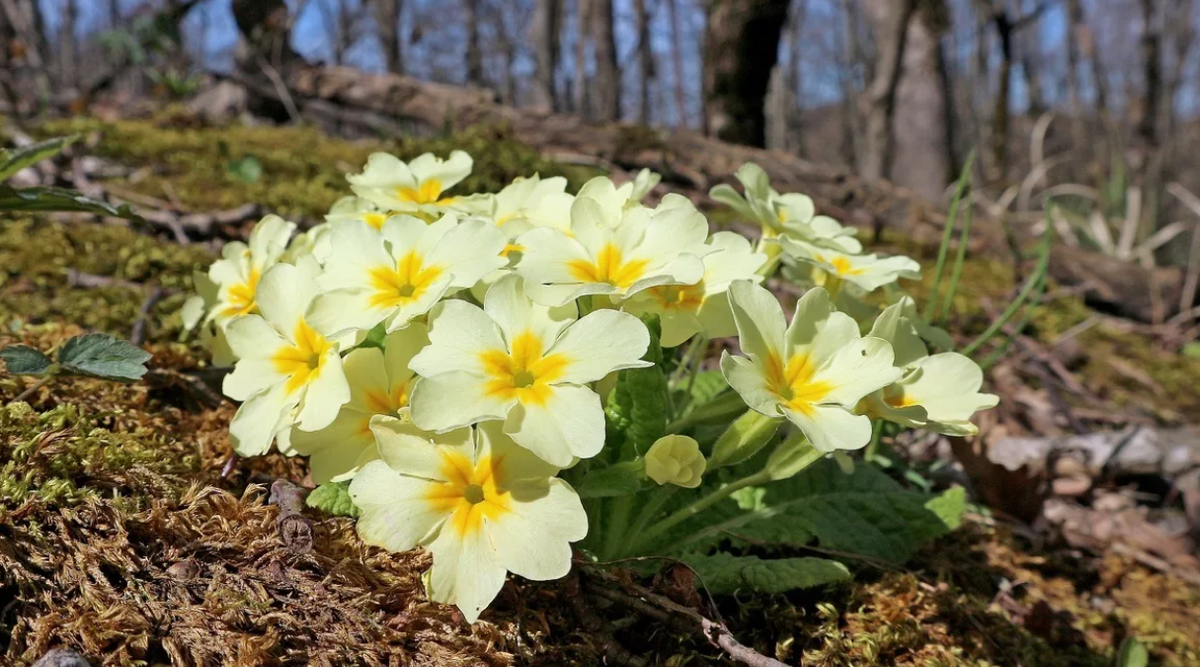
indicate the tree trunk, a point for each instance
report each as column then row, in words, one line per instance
column 741, row 45
column 387, row 21
column 67, row 46
column 851, row 52
column 608, row 75
column 889, row 19
column 1000, row 110
column 681, row 110
column 645, row 61
column 583, row 33
column 923, row 118
column 547, row 25
column 474, row 53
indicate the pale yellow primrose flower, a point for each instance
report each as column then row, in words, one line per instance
column 394, row 185
column 939, row 393
column 287, row 372
column 380, row 384
column 686, row 310
column 610, row 256
column 235, row 276
column 482, row 508
column 813, row 373
column 351, row 207
column 675, row 459
column 615, row 199
column 532, row 202
column 793, row 214
column 400, row 272
column 526, row 364
column 869, row 272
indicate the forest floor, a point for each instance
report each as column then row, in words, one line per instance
column 121, row 538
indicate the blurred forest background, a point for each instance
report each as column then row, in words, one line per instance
column 1093, row 102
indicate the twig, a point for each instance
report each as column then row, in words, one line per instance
column 716, row 633
column 138, row 335
column 614, row 652
column 77, row 278
column 295, row 530
column 285, row 96
column 199, row 390
column 202, row 223
column 32, row 388
column 1155, row 563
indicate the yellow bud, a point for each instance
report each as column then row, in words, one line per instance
column 675, row 459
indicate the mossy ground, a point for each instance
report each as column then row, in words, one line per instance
column 120, row 538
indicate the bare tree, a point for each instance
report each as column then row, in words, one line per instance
column 645, row 61
column 67, row 45
column 388, row 14
column 608, row 74
column 741, row 45
column 923, row 121
column 681, row 110
column 890, row 19
column 583, row 35
column 545, row 34
column 474, row 53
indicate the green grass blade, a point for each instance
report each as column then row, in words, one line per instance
column 1031, row 285
column 956, row 272
column 959, row 189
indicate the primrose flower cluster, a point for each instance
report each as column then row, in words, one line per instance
column 451, row 355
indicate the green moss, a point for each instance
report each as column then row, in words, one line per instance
column 303, row 170
column 68, row 454
column 35, row 258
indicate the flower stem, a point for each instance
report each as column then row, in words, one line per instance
column 618, row 526
column 32, row 388
column 702, row 504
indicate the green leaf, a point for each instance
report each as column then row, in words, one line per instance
column 12, row 161
column 333, row 498
column 744, row 438
column 25, row 360
column 103, row 356
column 58, row 199
column 706, row 386
column 723, row 573
column 637, row 408
column 866, row 513
column 619, row 479
column 1133, row 653
column 1192, row 350
column 246, row 170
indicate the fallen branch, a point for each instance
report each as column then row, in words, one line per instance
column 295, row 530
column 716, row 633
column 138, row 335
column 614, row 652
column 196, row 387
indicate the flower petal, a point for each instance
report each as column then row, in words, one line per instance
column 831, row 428
column 255, row 424
column 533, row 538
column 569, row 424
column 453, row 400
column 600, row 343
column 459, row 333
column 395, row 512
column 759, row 318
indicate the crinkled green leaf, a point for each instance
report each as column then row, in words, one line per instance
column 58, row 199
column 723, row 573
column 865, row 513
column 25, row 360
column 103, row 356
column 706, row 386
column 333, row 498
column 637, row 408
column 14, row 160
column 618, row 479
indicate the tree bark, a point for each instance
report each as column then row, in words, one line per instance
column 645, row 61
column 681, row 107
column 67, row 46
column 890, row 19
column 583, row 34
column 546, row 28
column 608, row 74
column 387, row 22
column 741, row 45
column 474, row 53
column 923, row 121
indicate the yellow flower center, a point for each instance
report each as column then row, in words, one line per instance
column 470, row 494
column 303, row 361
column 376, row 220
column 841, row 265
column 610, row 267
column 428, row 192
column 511, row 248
column 407, row 282
column 793, row 383
column 899, row 400
column 383, row 401
column 241, row 296
column 525, row 373
column 679, row 297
